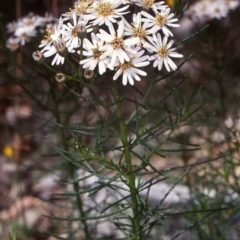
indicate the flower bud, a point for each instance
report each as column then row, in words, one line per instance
column 60, row 77
column 37, row 56
column 88, row 74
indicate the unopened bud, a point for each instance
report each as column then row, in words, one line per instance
column 37, row 56
column 60, row 77
column 88, row 74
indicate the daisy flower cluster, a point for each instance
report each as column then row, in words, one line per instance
column 25, row 28
column 108, row 36
column 205, row 10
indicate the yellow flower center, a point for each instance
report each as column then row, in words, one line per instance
column 105, row 9
column 138, row 32
column 163, row 51
column 117, row 43
column 161, row 20
column 96, row 53
column 75, row 32
column 81, row 8
column 147, row 3
column 51, row 36
column 125, row 66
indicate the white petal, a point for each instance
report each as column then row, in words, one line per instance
column 166, row 65
column 114, row 58
column 120, row 29
column 117, row 74
column 124, row 79
column 131, row 41
column 141, row 64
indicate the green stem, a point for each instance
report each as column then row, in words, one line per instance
column 131, row 175
column 218, row 77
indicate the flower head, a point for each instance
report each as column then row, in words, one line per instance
column 105, row 12
column 57, row 48
column 137, row 28
column 162, row 20
column 24, row 29
column 150, row 4
column 93, row 55
column 71, row 32
column 162, row 52
column 25, row 33
column 129, row 70
column 53, row 35
column 13, row 43
column 116, row 47
column 206, row 10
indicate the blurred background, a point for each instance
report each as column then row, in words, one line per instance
column 31, row 169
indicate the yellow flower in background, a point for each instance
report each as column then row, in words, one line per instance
column 169, row 2
column 8, row 151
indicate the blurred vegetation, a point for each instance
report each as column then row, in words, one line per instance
column 52, row 129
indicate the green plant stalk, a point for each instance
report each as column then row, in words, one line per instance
column 131, row 175
column 71, row 169
column 218, row 78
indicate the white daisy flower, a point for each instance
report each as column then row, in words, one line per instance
column 81, row 8
column 198, row 11
column 136, row 28
column 216, row 9
column 162, row 52
column 105, row 11
column 31, row 21
column 25, row 33
column 53, row 34
column 12, row 27
column 93, row 55
column 232, row 4
column 68, row 15
column 57, row 48
column 115, row 46
column 71, row 32
column 129, row 70
column 150, row 4
column 13, row 43
column 206, row 10
column 161, row 20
